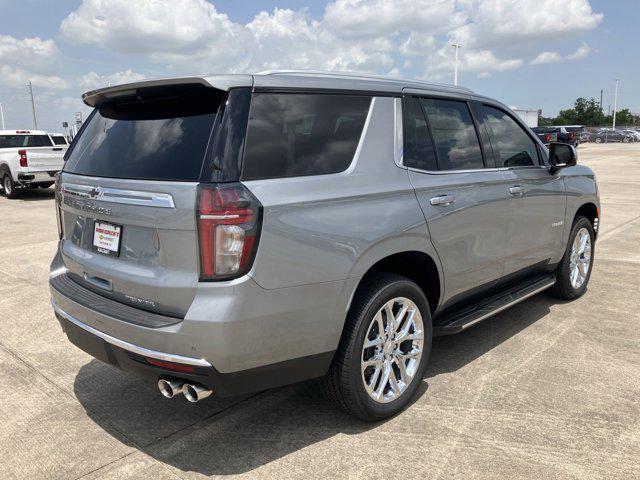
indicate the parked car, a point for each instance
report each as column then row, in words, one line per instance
column 28, row 158
column 566, row 136
column 286, row 226
column 546, row 134
column 580, row 131
column 604, row 135
column 634, row 133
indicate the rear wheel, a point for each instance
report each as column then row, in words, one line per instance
column 9, row 186
column 383, row 350
column 574, row 271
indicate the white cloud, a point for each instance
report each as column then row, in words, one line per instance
column 546, row 57
column 553, row 57
column 31, row 53
column 18, row 78
column 366, row 35
column 145, row 26
column 371, row 18
column 92, row 80
column 581, row 52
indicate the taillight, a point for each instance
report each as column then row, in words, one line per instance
column 23, row 158
column 571, row 136
column 547, row 138
column 58, row 198
column 228, row 228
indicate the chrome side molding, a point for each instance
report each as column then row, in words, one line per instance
column 117, row 195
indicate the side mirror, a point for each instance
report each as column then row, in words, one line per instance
column 562, row 155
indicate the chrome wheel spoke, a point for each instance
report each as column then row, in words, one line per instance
column 580, row 258
column 392, row 349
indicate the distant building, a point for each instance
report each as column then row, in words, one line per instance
column 530, row 117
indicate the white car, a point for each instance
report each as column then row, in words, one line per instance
column 28, row 158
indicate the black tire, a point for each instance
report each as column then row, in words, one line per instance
column 9, row 186
column 598, row 140
column 563, row 287
column 343, row 383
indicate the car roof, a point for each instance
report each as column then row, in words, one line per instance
column 285, row 79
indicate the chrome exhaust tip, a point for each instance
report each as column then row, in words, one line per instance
column 169, row 388
column 195, row 392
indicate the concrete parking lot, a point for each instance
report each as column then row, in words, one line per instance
column 547, row 389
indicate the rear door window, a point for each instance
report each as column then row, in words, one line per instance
column 454, row 134
column 512, row 147
column 156, row 138
column 296, row 134
column 418, row 146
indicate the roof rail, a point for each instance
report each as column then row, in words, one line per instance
column 352, row 74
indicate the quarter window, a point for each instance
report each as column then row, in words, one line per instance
column 296, row 134
column 454, row 134
column 418, row 147
column 512, row 147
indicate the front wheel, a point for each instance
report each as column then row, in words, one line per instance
column 383, row 351
column 574, row 271
column 598, row 140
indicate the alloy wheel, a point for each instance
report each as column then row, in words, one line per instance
column 392, row 350
column 580, row 260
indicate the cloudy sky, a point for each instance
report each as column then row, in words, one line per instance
column 527, row 53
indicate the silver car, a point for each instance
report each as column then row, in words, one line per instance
column 227, row 234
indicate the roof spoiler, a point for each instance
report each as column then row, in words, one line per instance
column 97, row 97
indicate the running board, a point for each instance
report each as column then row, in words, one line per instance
column 463, row 319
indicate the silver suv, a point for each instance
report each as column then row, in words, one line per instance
column 233, row 233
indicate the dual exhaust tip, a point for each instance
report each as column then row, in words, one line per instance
column 192, row 391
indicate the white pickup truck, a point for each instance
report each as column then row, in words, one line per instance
column 28, row 158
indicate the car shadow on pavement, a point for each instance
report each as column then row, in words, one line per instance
column 236, row 435
column 31, row 194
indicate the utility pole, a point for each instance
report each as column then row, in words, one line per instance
column 615, row 103
column 456, row 46
column 600, row 99
column 2, row 115
column 33, row 107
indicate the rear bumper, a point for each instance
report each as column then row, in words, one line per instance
column 240, row 336
column 132, row 358
column 27, row 177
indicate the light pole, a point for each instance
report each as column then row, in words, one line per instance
column 615, row 103
column 455, row 46
column 2, row 115
column 33, row 106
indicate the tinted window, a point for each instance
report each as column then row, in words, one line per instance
column 454, row 134
column 512, row 147
column 58, row 140
column 418, row 147
column 17, row 141
column 302, row 134
column 156, row 139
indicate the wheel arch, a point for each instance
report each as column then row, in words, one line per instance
column 417, row 266
column 591, row 211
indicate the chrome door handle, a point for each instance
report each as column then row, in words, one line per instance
column 443, row 200
column 516, row 190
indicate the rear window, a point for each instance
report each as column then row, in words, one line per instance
column 58, row 140
column 295, row 134
column 161, row 136
column 576, row 129
column 22, row 141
